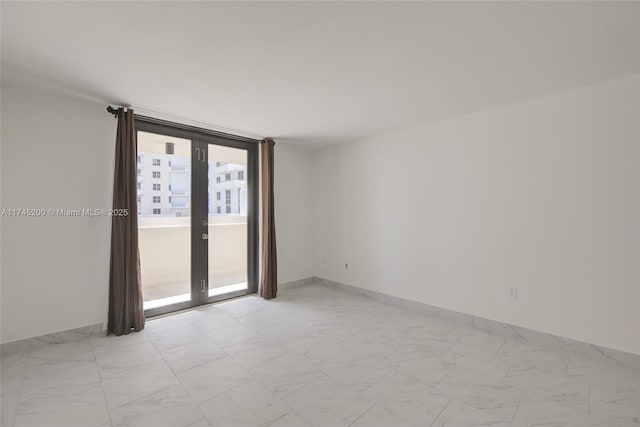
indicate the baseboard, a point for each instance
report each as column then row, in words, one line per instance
column 571, row 347
column 28, row 344
column 296, row 283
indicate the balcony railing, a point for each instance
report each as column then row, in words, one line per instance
column 228, row 185
column 165, row 254
column 228, row 167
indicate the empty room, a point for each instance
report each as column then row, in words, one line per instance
column 320, row 213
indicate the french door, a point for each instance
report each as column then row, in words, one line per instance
column 197, row 215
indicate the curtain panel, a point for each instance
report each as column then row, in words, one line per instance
column 269, row 257
column 126, row 311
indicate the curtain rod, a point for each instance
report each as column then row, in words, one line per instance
column 114, row 111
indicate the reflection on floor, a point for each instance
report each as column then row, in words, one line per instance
column 227, row 289
column 312, row 357
column 161, row 302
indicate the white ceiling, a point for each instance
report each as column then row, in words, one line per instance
column 317, row 72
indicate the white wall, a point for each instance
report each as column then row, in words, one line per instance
column 293, row 211
column 542, row 196
column 58, row 152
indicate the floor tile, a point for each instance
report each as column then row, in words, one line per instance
column 213, row 378
column 314, row 356
column 327, row 403
column 494, row 397
column 291, row 419
column 86, row 408
column 112, row 360
column 192, row 354
column 249, row 404
column 535, row 411
column 171, row 407
column 459, row 414
column 253, row 352
column 552, row 387
column 620, row 406
column 408, row 398
column 600, row 375
column 75, row 350
column 285, row 374
column 377, row 416
column 135, row 383
column 527, row 355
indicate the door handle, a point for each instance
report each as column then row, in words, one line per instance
column 205, row 236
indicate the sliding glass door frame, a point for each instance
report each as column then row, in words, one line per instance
column 200, row 140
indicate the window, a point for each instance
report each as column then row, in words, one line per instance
column 156, row 199
column 227, row 197
column 138, row 171
column 156, row 187
column 227, row 177
column 169, row 187
column 139, row 185
column 156, row 162
column 218, row 163
column 156, row 174
column 217, row 195
column 218, row 179
column 156, row 211
column 169, row 199
column 218, row 210
column 139, row 199
column 139, row 158
column 241, row 175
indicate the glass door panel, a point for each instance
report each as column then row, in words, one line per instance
column 164, row 219
column 227, row 221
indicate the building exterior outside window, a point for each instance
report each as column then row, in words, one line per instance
column 164, row 186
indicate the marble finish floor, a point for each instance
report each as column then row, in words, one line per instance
column 315, row 356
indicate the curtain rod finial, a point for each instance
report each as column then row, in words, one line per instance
column 112, row 110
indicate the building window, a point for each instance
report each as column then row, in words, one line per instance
column 218, row 163
column 139, row 199
column 169, row 199
column 241, row 175
column 169, row 187
column 156, row 187
column 217, row 195
column 139, row 158
column 156, row 199
column 156, row 174
column 218, row 209
column 227, row 198
column 218, row 179
column 139, row 185
column 156, row 162
column 156, row 211
column 227, row 177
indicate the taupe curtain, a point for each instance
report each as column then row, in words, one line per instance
column 269, row 258
column 125, row 290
